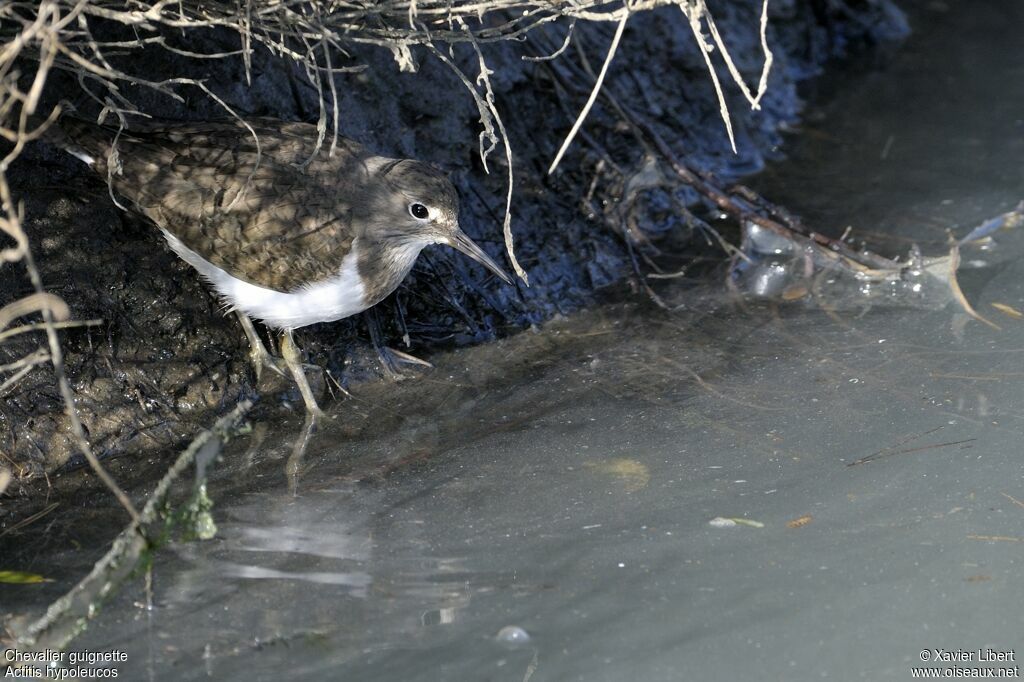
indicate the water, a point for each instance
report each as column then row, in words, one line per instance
column 541, row 508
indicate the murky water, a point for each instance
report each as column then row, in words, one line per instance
column 541, row 508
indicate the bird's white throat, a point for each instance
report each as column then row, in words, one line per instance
column 332, row 299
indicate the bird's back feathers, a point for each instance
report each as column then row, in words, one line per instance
column 269, row 213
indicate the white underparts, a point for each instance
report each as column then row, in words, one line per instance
column 332, row 299
column 81, row 155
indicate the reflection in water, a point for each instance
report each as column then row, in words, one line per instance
column 293, row 467
column 314, row 539
column 317, row 539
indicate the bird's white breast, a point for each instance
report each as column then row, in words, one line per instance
column 332, row 299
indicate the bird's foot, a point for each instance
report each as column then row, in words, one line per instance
column 260, row 358
column 391, row 359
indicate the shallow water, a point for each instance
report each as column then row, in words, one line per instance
column 559, row 487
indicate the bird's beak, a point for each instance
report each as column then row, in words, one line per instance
column 466, row 245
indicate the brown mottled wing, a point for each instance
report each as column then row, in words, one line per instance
column 271, row 223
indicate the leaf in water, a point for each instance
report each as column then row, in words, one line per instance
column 795, row 292
column 980, row 578
column 1008, row 310
column 800, row 522
column 22, row 578
column 633, row 474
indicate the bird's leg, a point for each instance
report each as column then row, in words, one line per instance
column 294, row 362
column 387, row 361
column 258, row 353
column 389, row 357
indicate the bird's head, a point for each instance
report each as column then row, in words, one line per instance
column 421, row 205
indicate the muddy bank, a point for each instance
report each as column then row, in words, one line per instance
column 164, row 360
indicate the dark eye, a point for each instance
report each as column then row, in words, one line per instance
column 419, row 211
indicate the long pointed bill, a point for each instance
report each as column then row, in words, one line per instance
column 466, row 245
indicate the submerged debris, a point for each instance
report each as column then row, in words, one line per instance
column 633, row 474
column 790, row 266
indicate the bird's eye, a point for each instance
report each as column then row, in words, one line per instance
column 419, row 211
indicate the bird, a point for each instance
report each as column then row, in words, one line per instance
column 288, row 229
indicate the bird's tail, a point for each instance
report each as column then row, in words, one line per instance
column 89, row 142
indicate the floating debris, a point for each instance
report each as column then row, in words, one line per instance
column 800, row 522
column 1008, row 310
column 1013, row 499
column 723, row 522
column 995, row 538
column 22, row 578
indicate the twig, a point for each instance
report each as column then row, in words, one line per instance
column 1013, row 499
column 484, row 78
column 64, row 618
column 28, row 520
column 593, row 93
column 995, row 538
column 33, row 303
column 559, row 51
column 882, row 454
column 958, row 293
column 762, row 86
column 24, row 366
column 57, row 360
column 37, row 326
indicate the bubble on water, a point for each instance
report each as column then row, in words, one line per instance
column 512, row 635
column 775, row 266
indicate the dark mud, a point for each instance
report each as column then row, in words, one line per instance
column 165, row 360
